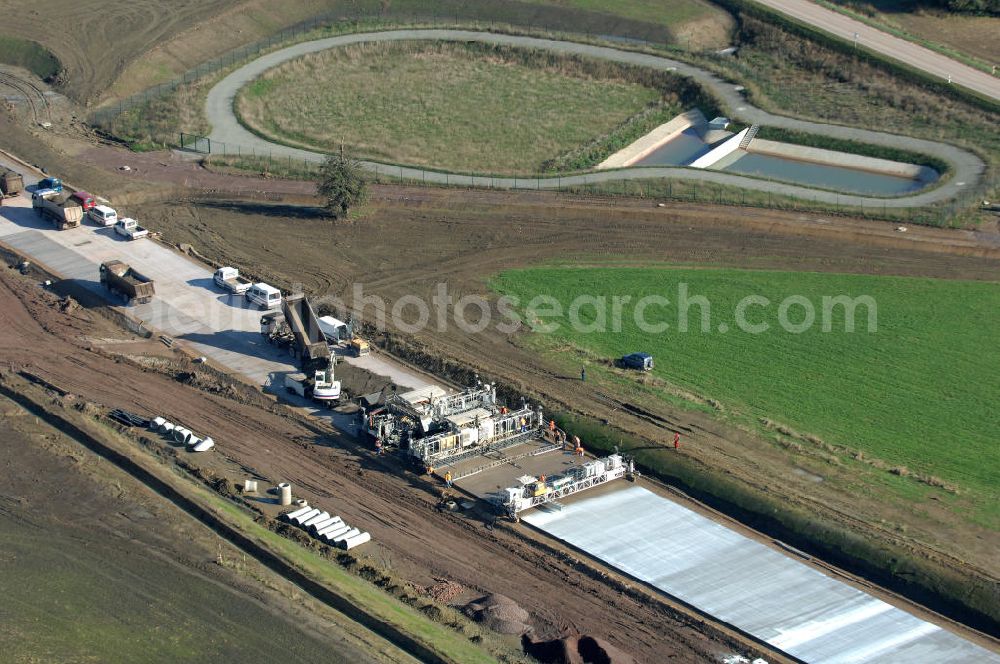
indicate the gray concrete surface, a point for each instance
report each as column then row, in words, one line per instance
column 187, row 306
column 873, row 39
column 227, row 132
column 762, row 591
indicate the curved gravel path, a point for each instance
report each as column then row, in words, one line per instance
column 226, row 128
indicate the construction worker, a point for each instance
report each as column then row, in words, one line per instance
column 378, row 446
column 524, row 425
column 677, row 441
column 447, row 479
column 579, row 449
column 552, row 425
column 541, row 478
column 430, row 470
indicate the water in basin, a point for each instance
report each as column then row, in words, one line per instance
column 838, row 178
column 678, row 151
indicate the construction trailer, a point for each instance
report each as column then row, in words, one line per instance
column 297, row 328
column 535, row 491
column 432, row 426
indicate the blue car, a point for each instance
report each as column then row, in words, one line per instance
column 640, row 361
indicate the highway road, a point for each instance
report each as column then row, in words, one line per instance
column 873, row 39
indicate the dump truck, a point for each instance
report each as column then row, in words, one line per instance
column 130, row 228
column 11, row 184
column 229, row 279
column 59, row 208
column 309, row 342
column 122, row 280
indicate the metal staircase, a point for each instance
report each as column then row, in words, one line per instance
column 750, row 135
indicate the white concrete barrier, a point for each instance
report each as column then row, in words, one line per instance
column 726, row 148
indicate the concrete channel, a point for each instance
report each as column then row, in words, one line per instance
column 758, row 590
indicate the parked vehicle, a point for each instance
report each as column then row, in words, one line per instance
column 334, row 330
column 102, row 215
column 360, row 347
column 11, row 184
column 59, row 208
column 264, row 296
column 55, row 184
column 640, row 361
column 229, row 279
column 122, row 280
column 130, row 228
column 84, row 200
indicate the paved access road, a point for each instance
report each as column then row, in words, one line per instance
column 188, row 306
column 873, row 39
column 228, row 133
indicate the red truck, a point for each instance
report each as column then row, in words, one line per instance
column 84, row 200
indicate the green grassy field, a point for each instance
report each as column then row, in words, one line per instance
column 665, row 12
column 919, row 394
column 444, row 105
column 28, row 54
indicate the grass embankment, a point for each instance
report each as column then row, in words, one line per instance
column 689, row 24
column 915, row 398
column 789, row 74
column 459, row 107
column 30, row 55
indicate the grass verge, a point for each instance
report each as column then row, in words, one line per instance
column 31, row 55
column 467, row 107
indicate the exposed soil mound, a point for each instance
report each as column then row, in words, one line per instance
column 575, row 650
column 498, row 613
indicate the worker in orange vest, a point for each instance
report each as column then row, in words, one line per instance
column 677, row 441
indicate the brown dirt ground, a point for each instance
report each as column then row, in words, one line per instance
column 410, row 239
column 62, row 505
column 397, row 508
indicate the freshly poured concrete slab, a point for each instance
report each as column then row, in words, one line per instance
column 794, row 607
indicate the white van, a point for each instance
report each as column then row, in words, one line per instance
column 264, row 296
column 102, row 215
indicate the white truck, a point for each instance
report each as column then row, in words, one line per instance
column 102, row 215
column 130, row 228
column 229, row 279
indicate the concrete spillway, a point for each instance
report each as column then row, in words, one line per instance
column 778, row 599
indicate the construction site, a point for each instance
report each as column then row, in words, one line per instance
column 208, row 410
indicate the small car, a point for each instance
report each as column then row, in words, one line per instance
column 640, row 361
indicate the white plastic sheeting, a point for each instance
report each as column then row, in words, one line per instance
column 780, row 600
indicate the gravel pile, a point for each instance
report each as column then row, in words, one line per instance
column 499, row 613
